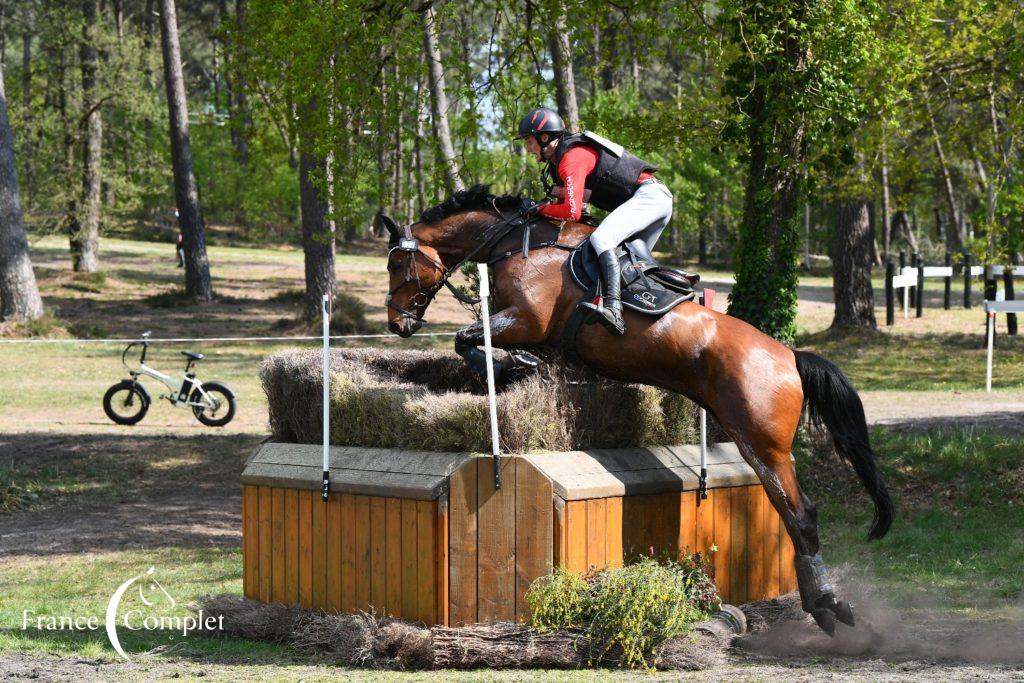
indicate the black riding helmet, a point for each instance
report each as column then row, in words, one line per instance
column 540, row 120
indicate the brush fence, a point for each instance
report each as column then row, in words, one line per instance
column 425, row 536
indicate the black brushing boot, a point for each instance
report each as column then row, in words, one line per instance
column 610, row 311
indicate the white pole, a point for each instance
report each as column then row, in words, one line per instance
column 485, row 318
column 703, row 453
column 327, row 397
column 988, row 362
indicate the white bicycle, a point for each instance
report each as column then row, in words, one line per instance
column 127, row 402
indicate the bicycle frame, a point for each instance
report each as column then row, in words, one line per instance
column 180, row 390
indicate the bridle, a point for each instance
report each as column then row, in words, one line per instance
column 410, row 246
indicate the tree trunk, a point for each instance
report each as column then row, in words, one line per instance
column 190, row 216
column 241, row 118
column 27, row 147
column 561, row 60
column 86, row 241
column 886, row 207
column 851, row 267
column 317, row 236
column 398, row 158
column 19, row 294
column 956, row 235
column 901, row 224
column 421, row 190
column 439, row 102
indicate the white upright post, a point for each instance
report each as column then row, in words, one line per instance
column 988, row 362
column 703, row 454
column 485, row 318
column 326, row 491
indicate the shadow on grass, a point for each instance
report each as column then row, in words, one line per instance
column 95, row 492
column 149, row 643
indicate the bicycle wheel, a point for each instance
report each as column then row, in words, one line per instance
column 126, row 402
column 216, row 410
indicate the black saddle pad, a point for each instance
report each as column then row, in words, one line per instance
column 642, row 288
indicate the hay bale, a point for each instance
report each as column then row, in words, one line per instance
column 430, row 400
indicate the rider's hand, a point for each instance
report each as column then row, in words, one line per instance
column 531, row 209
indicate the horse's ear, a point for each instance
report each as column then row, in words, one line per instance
column 392, row 226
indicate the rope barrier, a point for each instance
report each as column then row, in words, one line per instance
column 178, row 340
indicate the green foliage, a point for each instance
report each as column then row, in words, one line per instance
column 627, row 611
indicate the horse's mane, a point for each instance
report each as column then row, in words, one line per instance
column 476, row 198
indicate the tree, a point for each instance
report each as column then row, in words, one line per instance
column 561, row 60
column 317, row 230
column 190, row 217
column 439, row 102
column 851, row 266
column 793, row 82
column 19, row 295
column 85, row 240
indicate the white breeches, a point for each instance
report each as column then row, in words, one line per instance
column 644, row 215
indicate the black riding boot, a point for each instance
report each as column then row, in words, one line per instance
column 610, row 311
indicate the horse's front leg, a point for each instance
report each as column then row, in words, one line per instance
column 510, row 328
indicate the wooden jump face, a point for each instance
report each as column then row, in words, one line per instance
column 426, row 536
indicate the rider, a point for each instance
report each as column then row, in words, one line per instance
column 618, row 182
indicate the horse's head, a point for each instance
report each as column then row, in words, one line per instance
column 415, row 270
column 421, row 256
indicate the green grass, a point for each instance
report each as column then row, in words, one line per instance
column 960, row 512
column 921, row 362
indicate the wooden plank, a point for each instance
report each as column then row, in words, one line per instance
column 774, row 530
column 348, row 552
column 319, row 552
column 705, row 521
column 787, row 560
column 723, row 527
column 597, row 531
column 426, row 543
column 533, row 531
column 441, row 559
column 462, row 545
column 362, row 552
column 559, row 555
column 378, row 568
column 306, row 548
column 739, row 522
column 334, row 553
column 393, row 556
column 760, row 546
column 265, row 547
column 576, row 536
column 496, row 513
column 613, row 516
column 410, row 598
column 687, row 522
column 291, row 543
column 633, row 533
column 667, row 524
column 277, row 542
column 250, row 542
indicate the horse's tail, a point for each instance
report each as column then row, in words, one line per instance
column 833, row 403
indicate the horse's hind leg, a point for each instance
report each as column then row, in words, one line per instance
column 764, row 435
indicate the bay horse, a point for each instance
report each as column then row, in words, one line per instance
column 755, row 386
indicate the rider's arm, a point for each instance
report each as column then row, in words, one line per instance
column 574, row 168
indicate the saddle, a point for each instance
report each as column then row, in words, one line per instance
column 647, row 287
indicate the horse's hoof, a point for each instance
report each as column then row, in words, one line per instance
column 844, row 613
column 826, row 620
